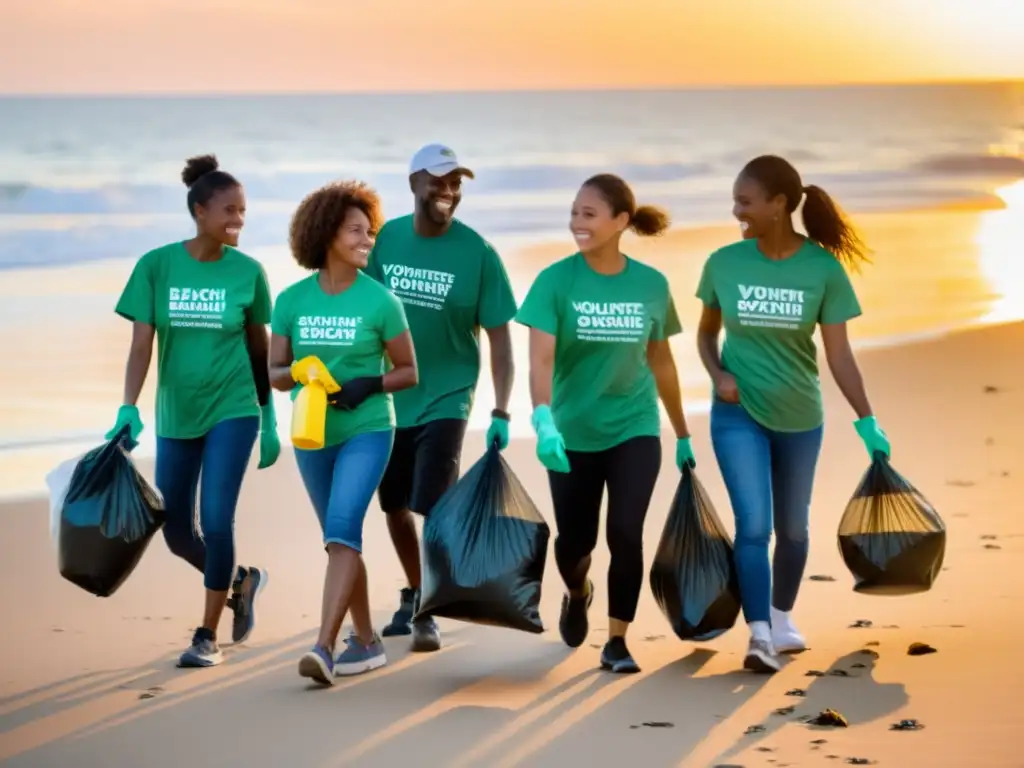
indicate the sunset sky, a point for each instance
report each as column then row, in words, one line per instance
column 116, row 46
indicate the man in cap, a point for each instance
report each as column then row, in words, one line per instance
column 452, row 283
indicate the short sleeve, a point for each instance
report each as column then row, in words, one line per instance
column 260, row 311
column 138, row 299
column 497, row 302
column 540, row 309
column 706, row 287
column 394, row 320
column 667, row 325
column 840, row 300
column 281, row 319
column 372, row 268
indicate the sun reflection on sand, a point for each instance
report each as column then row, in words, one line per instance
column 1001, row 255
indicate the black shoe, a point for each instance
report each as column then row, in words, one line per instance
column 249, row 582
column 573, row 623
column 615, row 657
column 401, row 622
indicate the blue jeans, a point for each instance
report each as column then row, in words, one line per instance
column 218, row 459
column 769, row 476
column 341, row 480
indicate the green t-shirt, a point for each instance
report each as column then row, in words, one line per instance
column 451, row 286
column 770, row 309
column 603, row 391
column 347, row 331
column 200, row 310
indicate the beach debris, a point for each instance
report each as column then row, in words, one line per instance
column 859, row 761
column 596, row 645
column 868, row 651
column 990, row 389
column 819, row 742
column 861, row 624
column 784, row 711
column 989, row 537
column 906, row 725
column 961, row 483
column 872, row 644
column 992, row 546
column 920, row 649
column 831, row 757
column 838, row 673
column 752, row 729
column 858, row 665
column 796, row 692
column 652, row 638
column 814, row 673
column 57, row 629
column 822, row 577
column 655, row 724
column 766, row 749
column 728, row 765
column 830, row 718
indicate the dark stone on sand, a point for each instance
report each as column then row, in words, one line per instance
column 752, row 729
column 906, row 725
column 814, row 673
column 831, row 718
column 796, row 692
column 920, row 649
column 861, row 624
column 784, row 711
column 822, row 577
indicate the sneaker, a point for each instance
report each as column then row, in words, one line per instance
column 615, row 657
column 786, row 638
column 249, row 582
column 318, row 665
column 426, row 637
column 203, row 652
column 573, row 624
column 401, row 622
column 358, row 658
column 761, row 657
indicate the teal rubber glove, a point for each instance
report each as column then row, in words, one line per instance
column 875, row 440
column 498, row 432
column 127, row 415
column 684, row 454
column 550, row 445
column 270, row 442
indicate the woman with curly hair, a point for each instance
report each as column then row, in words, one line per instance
column 343, row 322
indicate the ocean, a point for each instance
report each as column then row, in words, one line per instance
column 89, row 184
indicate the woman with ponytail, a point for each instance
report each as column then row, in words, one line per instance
column 599, row 360
column 771, row 291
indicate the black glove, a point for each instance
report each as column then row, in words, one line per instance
column 354, row 392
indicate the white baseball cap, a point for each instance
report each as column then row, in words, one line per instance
column 437, row 160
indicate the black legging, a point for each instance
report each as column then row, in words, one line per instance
column 630, row 470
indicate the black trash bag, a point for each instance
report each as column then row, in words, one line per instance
column 484, row 549
column 109, row 516
column 693, row 576
column 890, row 537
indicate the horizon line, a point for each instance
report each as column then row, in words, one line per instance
column 684, row 87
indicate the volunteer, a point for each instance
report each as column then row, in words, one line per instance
column 771, row 291
column 452, row 283
column 599, row 360
column 207, row 305
column 342, row 321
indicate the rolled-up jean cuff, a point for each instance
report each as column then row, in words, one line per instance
column 355, row 547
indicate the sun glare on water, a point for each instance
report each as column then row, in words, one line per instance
column 1002, row 254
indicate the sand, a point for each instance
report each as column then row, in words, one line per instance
column 91, row 682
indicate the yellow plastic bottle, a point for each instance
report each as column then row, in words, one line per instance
column 309, row 410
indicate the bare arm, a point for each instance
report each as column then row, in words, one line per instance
column 666, row 377
column 259, row 355
column 707, row 341
column 139, row 356
column 502, row 366
column 404, row 373
column 542, row 366
column 281, row 359
column 844, row 368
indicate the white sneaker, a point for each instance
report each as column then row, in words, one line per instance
column 761, row 657
column 785, row 636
